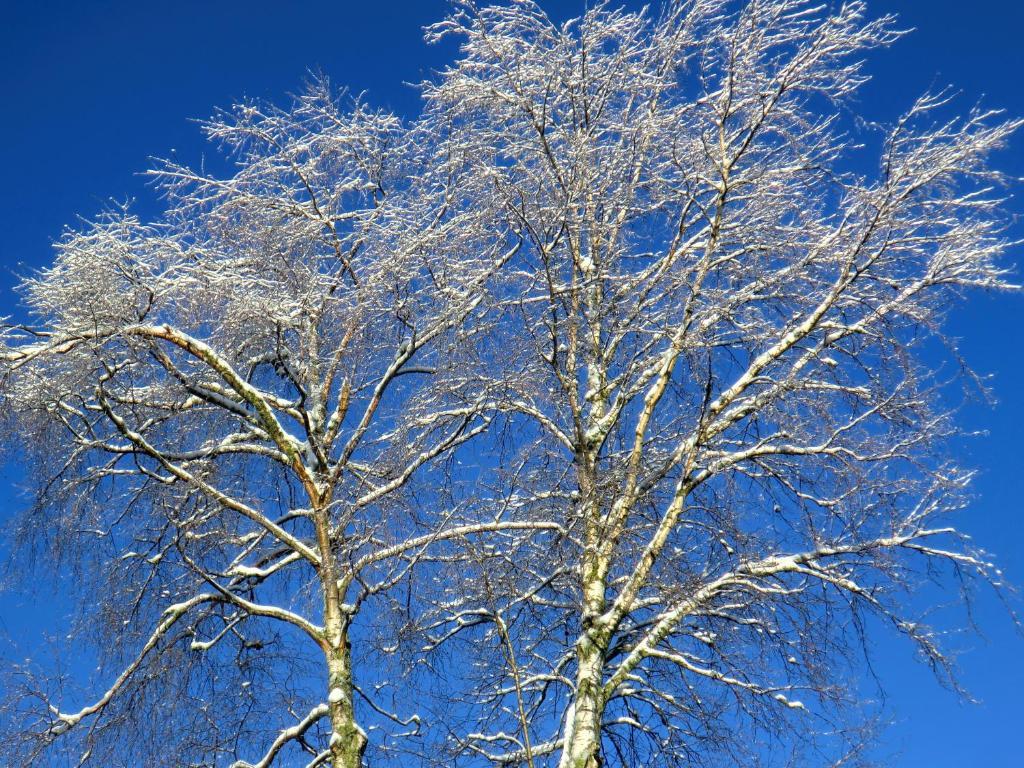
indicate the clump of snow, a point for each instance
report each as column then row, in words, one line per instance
column 335, row 695
column 705, row 637
column 791, row 704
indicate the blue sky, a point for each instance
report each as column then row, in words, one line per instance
column 91, row 90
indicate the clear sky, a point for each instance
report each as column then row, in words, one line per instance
column 90, row 90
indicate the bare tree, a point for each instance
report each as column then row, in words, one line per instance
column 724, row 373
column 227, row 411
column 685, row 307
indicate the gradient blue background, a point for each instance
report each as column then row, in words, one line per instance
column 89, row 90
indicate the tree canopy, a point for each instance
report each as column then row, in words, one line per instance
column 591, row 417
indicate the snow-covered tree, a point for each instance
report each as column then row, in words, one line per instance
column 604, row 400
column 724, row 335
column 225, row 414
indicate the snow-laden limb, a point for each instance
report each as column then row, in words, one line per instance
column 413, row 721
column 462, row 433
column 212, row 492
column 814, row 564
column 457, row 532
column 319, row 760
column 249, row 393
column 474, row 742
column 172, row 614
column 253, row 608
column 297, row 731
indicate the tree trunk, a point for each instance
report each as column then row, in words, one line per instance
column 582, row 747
column 348, row 742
